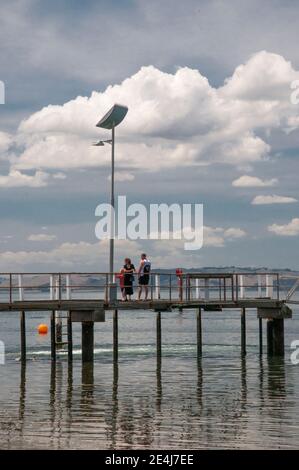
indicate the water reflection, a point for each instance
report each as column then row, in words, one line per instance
column 159, row 384
column 276, row 378
column 87, row 374
column 22, row 392
column 56, row 404
column 261, row 379
column 112, row 419
column 232, row 403
column 22, row 398
column 199, row 383
column 243, row 383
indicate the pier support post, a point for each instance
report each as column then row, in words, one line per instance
column 159, row 337
column 243, row 332
column 275, row 327
column 87, row 341
column 199, row 333
column 23, row 336
column 278, row 337
column 115, row 335
column 69, row 337
column 261, row 336
column 53, row 336
column 270, row 337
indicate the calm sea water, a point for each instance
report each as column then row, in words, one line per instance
column 222, row 402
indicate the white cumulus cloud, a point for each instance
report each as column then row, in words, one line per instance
column 272, row 199
column 288, row 230
column 173, row 120
column 122, row 176
column 217, row 236
column 247, row 181
column 5, row 142
column 41, row 237
column 233, row 232
column 17, row 179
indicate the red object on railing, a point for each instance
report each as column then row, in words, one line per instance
column 179, row 274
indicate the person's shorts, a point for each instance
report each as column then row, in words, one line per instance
column 144, row 280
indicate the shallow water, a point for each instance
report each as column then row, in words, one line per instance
column 222, row 402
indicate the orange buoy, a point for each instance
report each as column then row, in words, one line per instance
column 42, row 329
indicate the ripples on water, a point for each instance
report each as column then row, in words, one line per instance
column 222, row 402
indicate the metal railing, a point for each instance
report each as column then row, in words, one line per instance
column 183, row 287
column 289, row 284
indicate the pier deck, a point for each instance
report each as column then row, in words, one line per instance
column 155, row 305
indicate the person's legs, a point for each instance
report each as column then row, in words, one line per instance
column 146, row 292
column 139, row 291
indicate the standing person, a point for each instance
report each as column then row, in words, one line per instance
column 144, row 276
column 121, row 278
column 129, row 270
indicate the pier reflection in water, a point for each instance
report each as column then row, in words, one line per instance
column 240, row 402
column 218, row 400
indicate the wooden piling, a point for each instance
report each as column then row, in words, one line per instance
column 159, row 336
column 243, row 331
column 87, row 341
column 261, row 336
column 53, row 337
column 69, row 337
column 270, row 337
column 23, row 336
column 199, row 333
column 115, row 335
column 278, row 337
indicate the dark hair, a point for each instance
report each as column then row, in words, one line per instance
column 128, row 261
column 143, row 255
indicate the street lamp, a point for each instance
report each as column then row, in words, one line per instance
column 101, row 143
column 112, row 119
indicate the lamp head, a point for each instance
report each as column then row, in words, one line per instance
column 114, row 117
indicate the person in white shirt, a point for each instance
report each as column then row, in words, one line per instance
column 144, row 276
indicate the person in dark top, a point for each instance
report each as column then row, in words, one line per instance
column 128, row 270
column 144, row 275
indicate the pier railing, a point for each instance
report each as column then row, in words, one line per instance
column 181, row 287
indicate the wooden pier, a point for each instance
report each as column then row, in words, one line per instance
column 85, row 297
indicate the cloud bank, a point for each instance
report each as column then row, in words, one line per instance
column 82, row 255
column 174, row 120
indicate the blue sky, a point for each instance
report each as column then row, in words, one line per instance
column 210, row 121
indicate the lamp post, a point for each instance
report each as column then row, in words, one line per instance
column 112, row 119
